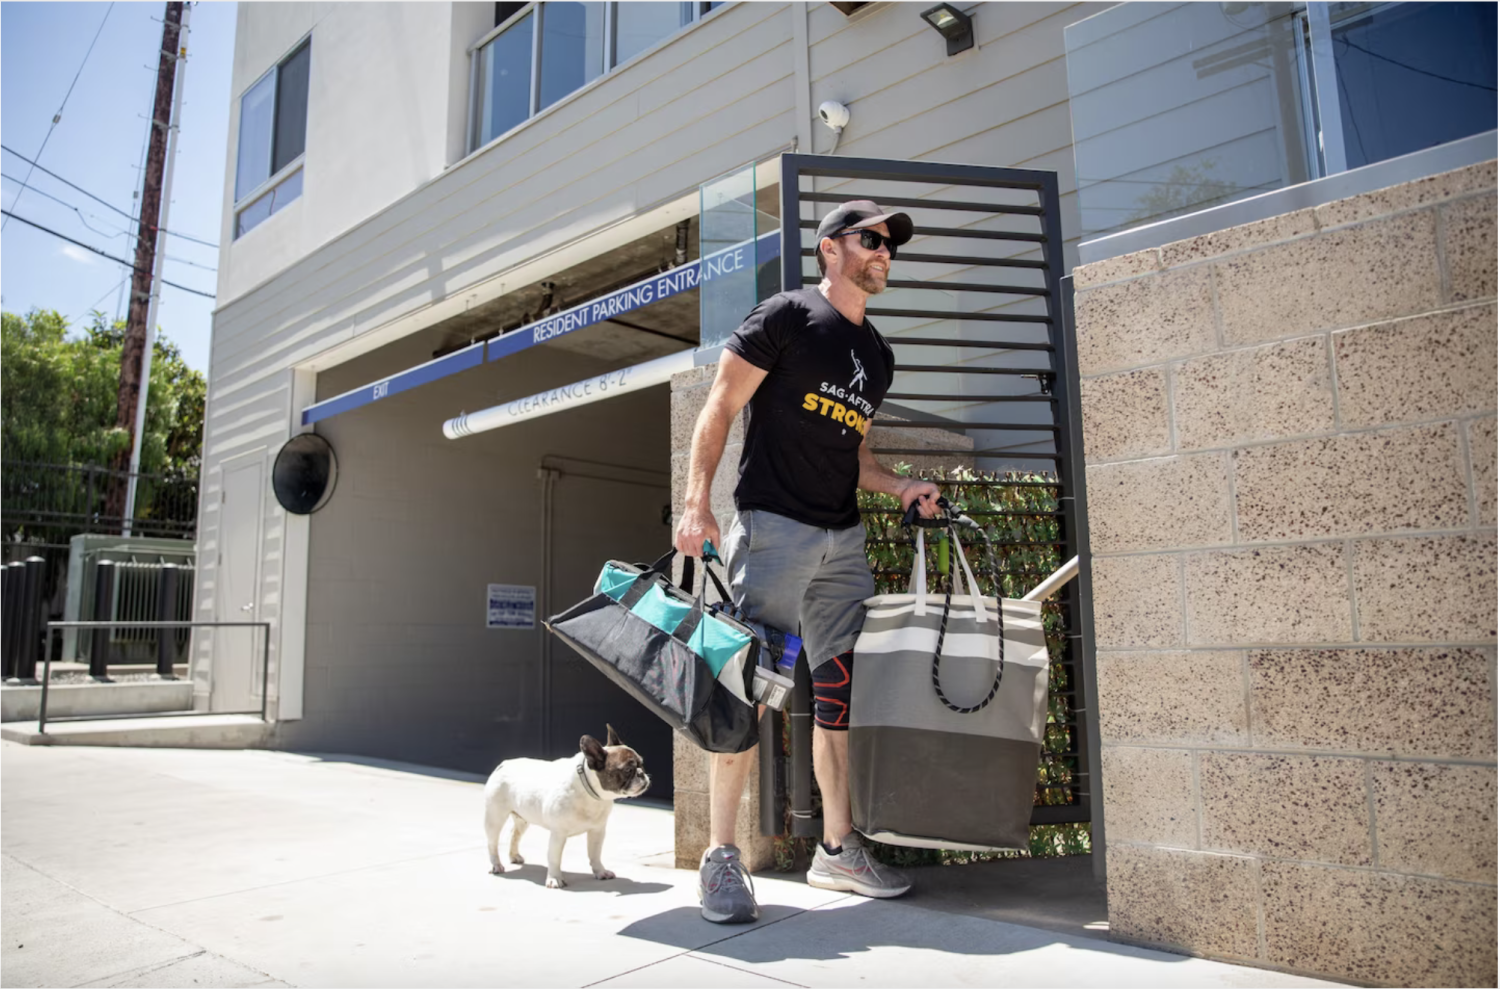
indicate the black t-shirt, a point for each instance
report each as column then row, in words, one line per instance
column 825, row 377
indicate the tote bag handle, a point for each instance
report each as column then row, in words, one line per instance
column 919, row 579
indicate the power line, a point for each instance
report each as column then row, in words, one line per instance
column 1413, row 68
column 171, row 233
column 89, row 247
column 56, row 117
column 112, row 231
column 95, row 306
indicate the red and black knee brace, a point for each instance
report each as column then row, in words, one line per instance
column 831, row 687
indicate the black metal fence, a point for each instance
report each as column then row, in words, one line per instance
column 43, row 506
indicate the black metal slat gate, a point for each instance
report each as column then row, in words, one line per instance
column 987, row 381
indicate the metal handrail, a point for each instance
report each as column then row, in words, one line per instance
column 1054, row 583
column 265, row 669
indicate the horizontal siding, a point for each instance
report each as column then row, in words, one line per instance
column 1003, row 104
column 715, row 97
column 587, row 190
column 694, row 67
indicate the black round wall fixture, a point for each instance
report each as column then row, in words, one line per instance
column 305, row 474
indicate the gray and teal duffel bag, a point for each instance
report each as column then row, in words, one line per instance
column 692, row 666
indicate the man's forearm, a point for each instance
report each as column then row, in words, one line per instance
column 875, row 476
column 709, row 437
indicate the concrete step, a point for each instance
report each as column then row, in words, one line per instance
column 184, row 731
column 22, row 702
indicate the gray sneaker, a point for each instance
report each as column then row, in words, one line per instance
column 724, row 888
column 854, row 870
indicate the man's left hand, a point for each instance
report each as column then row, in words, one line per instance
column 925, row 493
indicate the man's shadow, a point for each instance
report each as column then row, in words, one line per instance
column 836, row 931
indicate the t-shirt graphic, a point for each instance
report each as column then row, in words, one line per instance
column 859, row 372
column 825, row 377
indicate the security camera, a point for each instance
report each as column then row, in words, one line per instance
column 834, row 114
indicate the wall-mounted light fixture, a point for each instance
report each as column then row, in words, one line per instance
column 953, row 24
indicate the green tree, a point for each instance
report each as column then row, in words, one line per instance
column 58, row 396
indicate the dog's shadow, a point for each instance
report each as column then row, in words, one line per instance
column 580, row 882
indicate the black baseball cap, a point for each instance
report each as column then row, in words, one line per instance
column 861, row 213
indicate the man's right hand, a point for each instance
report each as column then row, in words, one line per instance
column 696, row 525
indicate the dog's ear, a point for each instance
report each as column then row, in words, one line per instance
column 593, row 752
column 612, row 738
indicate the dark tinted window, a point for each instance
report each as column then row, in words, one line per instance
column 291, row 108
column 1413, row 75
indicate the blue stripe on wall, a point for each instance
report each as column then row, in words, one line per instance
column 471, row 356
column 665, row 285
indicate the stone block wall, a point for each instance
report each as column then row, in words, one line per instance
column 1290, row 435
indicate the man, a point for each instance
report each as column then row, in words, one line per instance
column 813, row 371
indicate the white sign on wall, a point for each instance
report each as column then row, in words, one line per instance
column 511, row 606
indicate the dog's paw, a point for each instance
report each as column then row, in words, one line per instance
column 556, row 882
column 604, row 874
column 517, row 859
column 497, row 869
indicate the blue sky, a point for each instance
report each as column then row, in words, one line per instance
column 98, row 145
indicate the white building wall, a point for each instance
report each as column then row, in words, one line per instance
column 358, row 263
column 387, row 94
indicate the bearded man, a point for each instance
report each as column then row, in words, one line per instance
column 813, row 371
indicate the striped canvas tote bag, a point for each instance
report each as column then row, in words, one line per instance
column 946, row 719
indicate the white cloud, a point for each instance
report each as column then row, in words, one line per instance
column 78, row 254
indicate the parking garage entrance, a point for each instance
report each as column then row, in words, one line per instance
column 488, row 466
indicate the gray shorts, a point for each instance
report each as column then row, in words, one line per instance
column 801, row 579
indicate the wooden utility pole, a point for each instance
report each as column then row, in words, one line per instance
column 145, row 253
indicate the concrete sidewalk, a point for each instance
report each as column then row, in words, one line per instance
column 175, row 867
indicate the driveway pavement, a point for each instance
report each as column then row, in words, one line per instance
column 178, row 867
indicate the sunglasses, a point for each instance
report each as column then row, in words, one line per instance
column 871, row 240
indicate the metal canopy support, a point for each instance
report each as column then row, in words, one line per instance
column 985, row 351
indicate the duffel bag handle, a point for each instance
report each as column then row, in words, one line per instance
column 648, row 575
column 684, row 631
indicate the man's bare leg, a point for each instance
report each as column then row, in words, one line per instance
column 831, row 767
column 727, row 772
column 723, row 882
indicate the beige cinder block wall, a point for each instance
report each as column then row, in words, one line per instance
column 1290, row 436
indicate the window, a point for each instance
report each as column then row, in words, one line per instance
column 572, row 49
column 541, row 52
column 1404, row 76
column 273, row 137
column 1177, row 108
column 641, row 25
column 505, row 73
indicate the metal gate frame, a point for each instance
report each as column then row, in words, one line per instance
column 789, row 775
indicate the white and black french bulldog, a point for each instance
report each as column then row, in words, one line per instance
column 565, row 796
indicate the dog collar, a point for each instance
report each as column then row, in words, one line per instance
column 583, row 775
